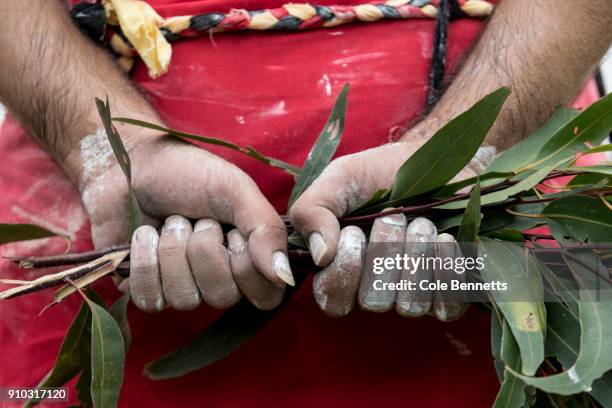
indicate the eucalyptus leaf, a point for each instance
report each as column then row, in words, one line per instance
column 470, row 223
column 235, row 327
column 512, row 391
column 446, row 223
column 83, row 388
column 599, row 169
column 589, row 179
column 119, row 312
column 592, row 126
column 449, row 150
column 496, row 341
column 248, row 150
column 22, row 232
column 525, row 184
column 73, row 355
column 324, row 148
column 507, row 234
column 563, row 334
column 124, row 162
column 602, row 390
column 451, row 188
column 522, row 304
column 296, row 239
column 599, row 149
column 497, row 220
column 580, row 217
column 524, row 152
column 594, row 357
column 107, row 357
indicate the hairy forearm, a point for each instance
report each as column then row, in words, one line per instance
column 51, row 74
column 543, row 49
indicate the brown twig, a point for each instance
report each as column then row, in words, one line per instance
column 122, row 271
column 60, row 281
column 65, row 259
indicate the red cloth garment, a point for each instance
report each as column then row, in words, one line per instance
column 272, row 91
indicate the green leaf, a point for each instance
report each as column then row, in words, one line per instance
column 497, row 220
column 590, row 179
column 234, row 328
column 296, row 239
column 119, row 312
column 73, row 354
column 450, row 189
column 599, row 149
column 496, row 341
column 83, row 387
column 592, row 126
column 446, row 223
column 524, row 152
column 323, row 149
column 512, row 391
column 527, row 183
column 600, row 169
column 602, row 390
column 563, row 334
column 124, row 162
column 522, row 304
column 107, row 357
column 470, row 223
column 594, row 357
column 449, row 150
column 248, row 150
column 580, row 217
column 22, row 232
column 507, row 234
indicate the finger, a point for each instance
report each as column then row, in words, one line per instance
column 210, row 265
column 335, row 287
column 267, row 244
column 265, row 233
column 315, row 213
column 448, row 305
column 179, row 286
column 228, row 195
column 387, row 240
column 420, row 239
column 145, row 279
column 262, row 293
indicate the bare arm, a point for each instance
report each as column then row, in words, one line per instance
column 543, row 49
column 49, row 76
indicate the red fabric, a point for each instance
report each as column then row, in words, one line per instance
column 272, row 91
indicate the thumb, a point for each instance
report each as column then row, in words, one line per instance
column 315, row 214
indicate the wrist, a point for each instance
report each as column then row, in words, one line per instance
column 91, row 154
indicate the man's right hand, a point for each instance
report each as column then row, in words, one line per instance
column 184, row 265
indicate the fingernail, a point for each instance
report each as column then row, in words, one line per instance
column 317, row 247
column 176, row 224
column 421, row 226
column 282, row 268
column 203, row 225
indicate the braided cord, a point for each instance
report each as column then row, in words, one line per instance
column 293, row 17
column 109, row 20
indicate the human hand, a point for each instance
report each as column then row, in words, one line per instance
column 346, row 183
column 183, row 265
